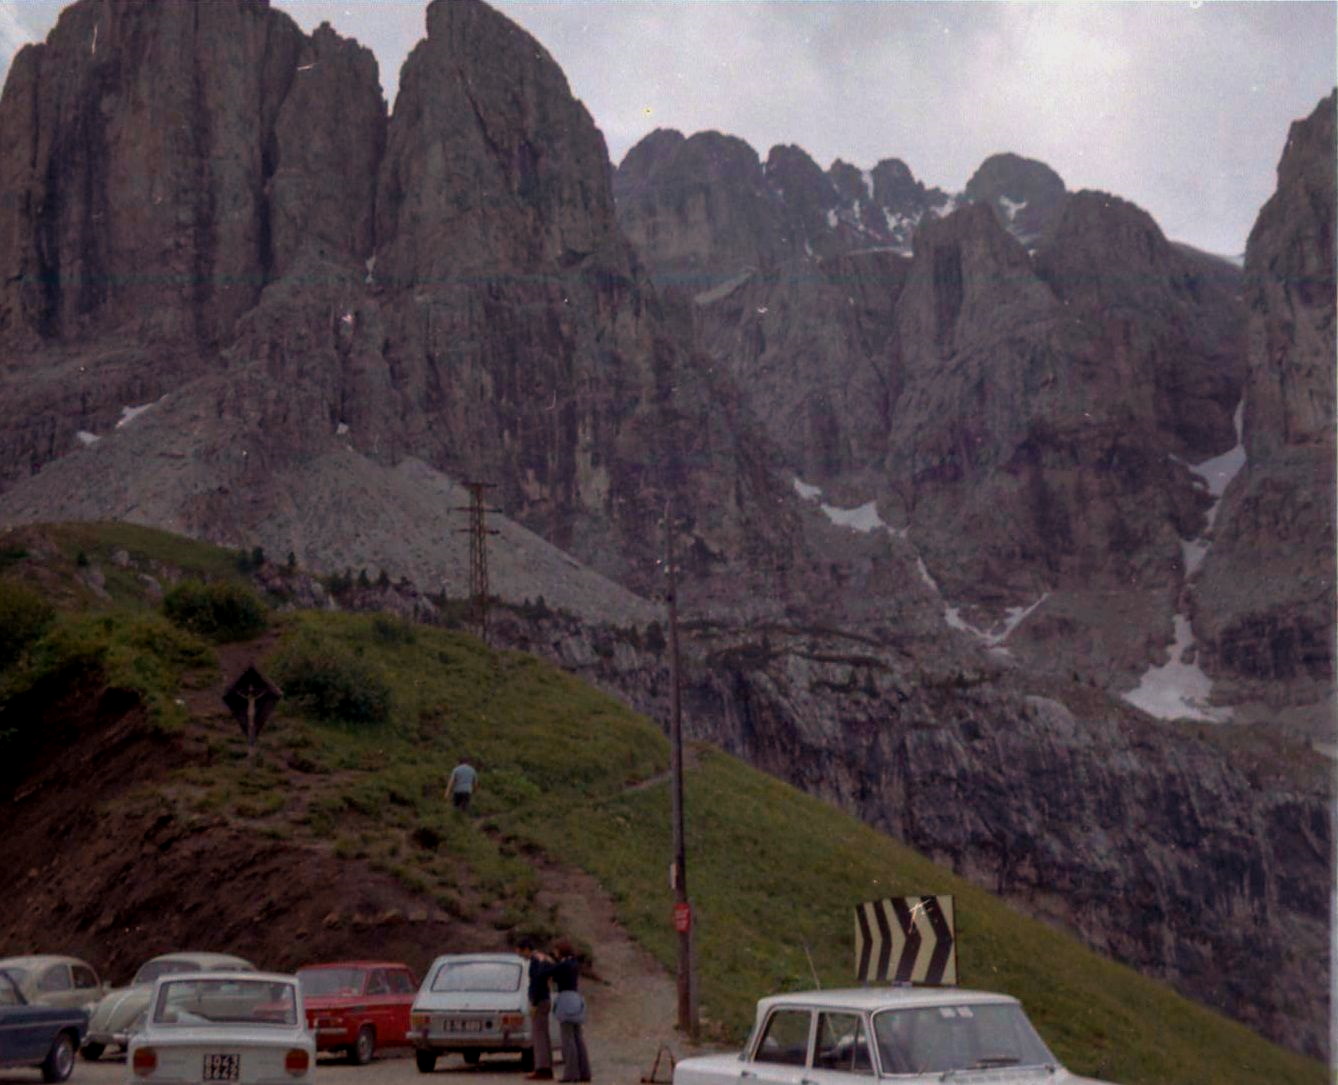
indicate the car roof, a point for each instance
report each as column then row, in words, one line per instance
column 495, row 958
column 356, row 964
column 205, row 957
column 883, row 998
column 37, row 960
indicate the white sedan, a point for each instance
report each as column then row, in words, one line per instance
column 904, row 1034
column 245, row 1027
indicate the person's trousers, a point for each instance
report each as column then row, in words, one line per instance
column 575, row 1060
column 543, row 1045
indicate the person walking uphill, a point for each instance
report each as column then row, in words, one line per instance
column 464, row 779
column 541, row 968
column 569, row 1009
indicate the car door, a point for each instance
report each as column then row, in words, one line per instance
column 87, row 986
column 380, row 1010
column 24, row 1035
column 780, row 1054
column 402, row 991
column 842, row 1054
column 54, row 986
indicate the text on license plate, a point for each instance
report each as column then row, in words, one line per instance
column 222, row 1067
column 462, row 1024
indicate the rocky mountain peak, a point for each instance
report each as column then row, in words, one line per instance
column 489, row 159
column 1024, row 193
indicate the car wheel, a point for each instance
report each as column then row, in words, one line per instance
column 59, row 1062
column 471, row 1057
column 426, row 1061
column 527, row 1059
column 364, row 1047
column 92, row 1052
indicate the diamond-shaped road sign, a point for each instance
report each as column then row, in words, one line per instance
column 906, row 940
column 251, row 700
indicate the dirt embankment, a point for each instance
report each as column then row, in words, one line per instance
column 104, row 865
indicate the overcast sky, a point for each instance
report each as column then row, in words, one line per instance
column 1181, row 107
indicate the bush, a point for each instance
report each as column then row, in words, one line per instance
column 220, row 611
column 333, row 684
column 24, row 617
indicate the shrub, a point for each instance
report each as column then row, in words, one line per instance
column 388, row 629
column 24, row 617
column 220, row 611
column 333, row 684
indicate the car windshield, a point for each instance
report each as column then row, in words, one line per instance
column 18, row 975
column 477, row 976
column 330, row 981
column 935, row 1039
column 204, row 1002
column 151, row 970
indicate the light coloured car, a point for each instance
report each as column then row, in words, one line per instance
column 904, row 1034
column 53, row 980
column 474, row 1004
column 243, row 1027
column 120, row 1012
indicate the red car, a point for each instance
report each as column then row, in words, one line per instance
column 358, row 1006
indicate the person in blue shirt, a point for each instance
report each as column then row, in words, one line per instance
column 462, row 783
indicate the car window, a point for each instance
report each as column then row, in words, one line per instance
column 84, row 977
column 317, row 982
column 936, row 1039
column 199, row 1003
column 55, row 978
column 402, row 983
column 842, row 1044
column 378, row 984
column 477, row 976
column 785, row 1038
column 151, row 970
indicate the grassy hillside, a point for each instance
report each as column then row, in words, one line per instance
column 378, row 712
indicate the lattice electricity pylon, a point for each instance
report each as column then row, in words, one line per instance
column 478, row 555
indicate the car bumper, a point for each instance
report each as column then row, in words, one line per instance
column 472, row 1041
column 108, row 1039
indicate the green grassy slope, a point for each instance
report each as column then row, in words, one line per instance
column 774, row 874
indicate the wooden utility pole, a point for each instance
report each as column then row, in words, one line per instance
column 687, row 1016
column 478, row 555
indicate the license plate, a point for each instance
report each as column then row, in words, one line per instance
column 222, row 1067
column 463, row 1024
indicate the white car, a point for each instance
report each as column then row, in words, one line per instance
column 474, row 1003
column 120, row 1013
column 244, row 1027
column 905, row 1034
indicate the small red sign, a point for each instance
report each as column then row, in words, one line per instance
column 682, row 917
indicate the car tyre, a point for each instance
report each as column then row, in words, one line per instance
column 364, row 1047
column 59, row 1062
column 527, row 1059
column 426, row 1061
column 92, row 1052
column 471, row 1057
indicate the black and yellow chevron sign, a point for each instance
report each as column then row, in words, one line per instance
column 906, row 940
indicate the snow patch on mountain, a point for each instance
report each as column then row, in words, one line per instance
column 1178, row 689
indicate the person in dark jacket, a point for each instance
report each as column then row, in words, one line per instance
column 569, row 1009
column 541, row 969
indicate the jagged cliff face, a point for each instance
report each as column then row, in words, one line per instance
column 1264, row 604
column 213, row 207
column 1021, row 395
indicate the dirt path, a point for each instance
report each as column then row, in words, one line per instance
column 632, row 999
